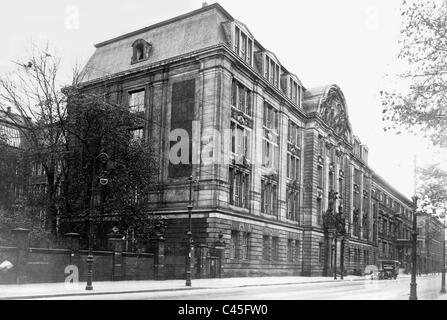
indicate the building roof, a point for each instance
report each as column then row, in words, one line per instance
column 378, row 179
column 183, row 34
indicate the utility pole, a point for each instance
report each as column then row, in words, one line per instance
column 443, row 258
column 189, row 235
column 413, row 285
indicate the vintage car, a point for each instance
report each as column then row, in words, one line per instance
column 388, row 269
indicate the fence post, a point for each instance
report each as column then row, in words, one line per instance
column 116, row 245
column 73, row 245
column 159, row 263
column 21, row 240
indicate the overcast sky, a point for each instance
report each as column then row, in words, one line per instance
column 352, row 43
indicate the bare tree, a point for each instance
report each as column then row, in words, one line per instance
column 66, row 127
column 33, row 92
column 420, row 105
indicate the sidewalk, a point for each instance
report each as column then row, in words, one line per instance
column 47, row 290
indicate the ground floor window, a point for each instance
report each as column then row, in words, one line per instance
column 233, row 245
column 289, row 250
column 297, row 250
column 275, row 248
column 266, row 248
column 321, row 252
column 245, row 246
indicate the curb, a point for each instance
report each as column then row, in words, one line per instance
column 55, row 295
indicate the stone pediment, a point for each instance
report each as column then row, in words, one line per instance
column 328, row 103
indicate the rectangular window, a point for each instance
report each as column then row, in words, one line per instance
column 297, row 251
column 237, row 40
column 137, row 134
column 266, row 248
column 320, row 176
column 293, row 204
column 241, row 97
column 268, row 197
column 243, row 51
column 289, row 250
column 319, row 211
column 275, row 248
column 245, row 246
column 295, row 92
column 320, row 253
column 240, row 142
column 272, row 71
column 233, row 245
column 136, row 101
column 294, row 134
column 293, row 167
column 267, row 67
column 234, row 92
column 340, row 188
column 270, row 117
column 249, row 51
column 239, row 187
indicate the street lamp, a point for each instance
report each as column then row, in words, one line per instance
column 104, row 158
column 443, row 259
column 413, row 285
column 189, row 235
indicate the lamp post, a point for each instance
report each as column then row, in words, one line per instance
column 189, row 235
column 443, row 259
column 104, row 158
column 341, row 225
column 413, row 285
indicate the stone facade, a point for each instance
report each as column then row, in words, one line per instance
column 277, row 148
column 430, row 242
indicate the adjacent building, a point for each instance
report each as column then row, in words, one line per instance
column 430, row 241
column 12, row 144
column 265, row 151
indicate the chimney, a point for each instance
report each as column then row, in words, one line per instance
column 204, row 4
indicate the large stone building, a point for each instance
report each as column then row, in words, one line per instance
column 12, row 144
column 264, row 150
column 430, row 242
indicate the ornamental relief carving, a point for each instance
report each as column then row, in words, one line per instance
column 240, row 117
column 333, row 113
column 293, row 150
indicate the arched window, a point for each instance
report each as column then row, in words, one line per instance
column 141, row 50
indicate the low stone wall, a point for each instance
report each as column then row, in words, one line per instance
column 43, row 265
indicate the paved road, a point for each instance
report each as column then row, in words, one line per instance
column 428, row 288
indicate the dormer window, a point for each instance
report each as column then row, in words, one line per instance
column 271, row 71
column 141, row 49
column 243, row 45
column 294, row 91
